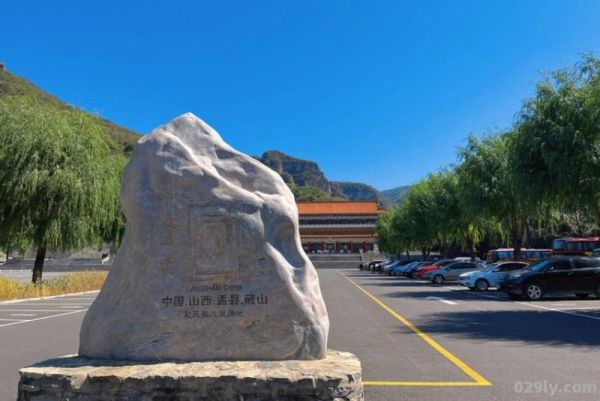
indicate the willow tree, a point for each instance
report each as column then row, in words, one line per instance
column 387, row 238
column 489, row 185
column 557, row 139
column 60, row 182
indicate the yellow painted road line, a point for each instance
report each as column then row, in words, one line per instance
column 479, row 380
column 420, row 384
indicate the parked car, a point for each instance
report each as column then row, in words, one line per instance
column 378, row 267
column 490, row 275
column 467, row 259
column 420, row 272
column 374, row 265
column 450, row 272
column 403, row 270
column 396, row 270
column 577, row 275
column 386, row 267
column 399, row 263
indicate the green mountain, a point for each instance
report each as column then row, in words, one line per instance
column 304, row 177
column 359, row 191
column 119, row 138
column 396, row 194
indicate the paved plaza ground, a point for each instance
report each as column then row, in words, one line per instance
column 416, row 341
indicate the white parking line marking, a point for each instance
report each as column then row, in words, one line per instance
column 11, row 320
column 442, row 300
column 479, row 294
column 24, row 314
column 560, row 311
column 42, row 318
column 590, row 308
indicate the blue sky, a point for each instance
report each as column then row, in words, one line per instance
column 381, row 92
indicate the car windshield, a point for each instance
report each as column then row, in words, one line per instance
column 539, row 265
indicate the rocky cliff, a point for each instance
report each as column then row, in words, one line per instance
column 298, row 173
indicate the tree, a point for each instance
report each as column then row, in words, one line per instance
column 489, row 187
column 429, row 217
column 388, row 238
column 418, row 217
column 60, row 182
column 462, row 217
column 308, row 193
column 557, row 138
column 443, row 210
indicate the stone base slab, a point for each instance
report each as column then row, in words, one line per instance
column 335, row 378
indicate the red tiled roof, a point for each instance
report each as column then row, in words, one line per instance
column 339, row 207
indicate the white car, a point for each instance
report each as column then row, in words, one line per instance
column 490, row 276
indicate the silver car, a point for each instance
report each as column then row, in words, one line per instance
column 490, row 276
column 450, row 272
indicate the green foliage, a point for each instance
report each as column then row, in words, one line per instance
column 430, row 216
column 15, row 89
column 543, row 174
column 488, row 180
column 309, row 193
column 557, row 138
column 387, row 236
column 60, row 181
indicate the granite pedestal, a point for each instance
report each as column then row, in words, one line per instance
column 334, row 378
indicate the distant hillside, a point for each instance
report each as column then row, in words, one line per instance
column 304, row 177
column 395, row 195
column 359, row 191
column 296, row 172
column 119, row 138
column 308, row 182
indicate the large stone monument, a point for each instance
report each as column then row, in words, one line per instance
column 211, row 296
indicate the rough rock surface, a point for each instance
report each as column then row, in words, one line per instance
column 335, row 378
column 211, row 266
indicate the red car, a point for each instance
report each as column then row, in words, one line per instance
column 440, row 263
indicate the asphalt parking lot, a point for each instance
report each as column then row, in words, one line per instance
column 416, row 341
column 35, row 330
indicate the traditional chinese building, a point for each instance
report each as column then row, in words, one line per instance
column 339, row 226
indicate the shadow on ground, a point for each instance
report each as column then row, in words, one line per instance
column 536, row 327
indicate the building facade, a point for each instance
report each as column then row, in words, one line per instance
column 339, row 226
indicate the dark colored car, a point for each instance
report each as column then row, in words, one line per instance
column 577, row 275
column 369, row 266
column 374, row 265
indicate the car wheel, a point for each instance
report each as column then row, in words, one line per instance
column 438, row 279
column 582, row 296
column 482, row 285
column 533, row 291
